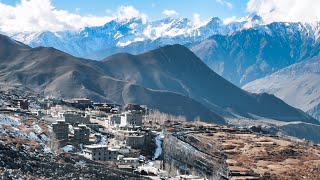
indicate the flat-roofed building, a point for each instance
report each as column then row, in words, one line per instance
column 21, row 103
column 85, row 101
column 134, row 162
column 131, row 118
column 95, row 126
column 76, row 118
column 100, row 153
column 61, row 129
column 81, row 133
column 135, row 141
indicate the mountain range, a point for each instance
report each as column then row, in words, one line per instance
column 170, row 78
column 280, row 58
column 250, row 54
column 240, row 51
column 130, row 35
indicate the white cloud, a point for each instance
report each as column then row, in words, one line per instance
column 169, row 12
column 41, row 15
column 229, row 20
column 225, row 3
column 129, row 12
column 196, row 18
column 286, row 10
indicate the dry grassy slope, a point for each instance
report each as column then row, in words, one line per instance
column 255, row 156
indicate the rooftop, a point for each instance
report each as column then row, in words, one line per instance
column 95, row 146
column 130, row 158
column 59, row 122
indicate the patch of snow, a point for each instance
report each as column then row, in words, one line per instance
column 2, row 131
column 103, row 140
column 9, row 120
column 33, row 136
column 122, row 44
column 71, row 129
column 81, row 162
column 47, row 150
column 37, row 128
column 44, row 137
column 158, row 139
column 50, row 128
column 68, row 148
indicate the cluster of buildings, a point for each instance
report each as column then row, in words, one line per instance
column 107, row 132
column 101, row 131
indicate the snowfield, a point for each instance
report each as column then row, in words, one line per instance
column 68, row 148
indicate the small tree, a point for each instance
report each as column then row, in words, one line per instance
column 162, row 118
column 197, row 121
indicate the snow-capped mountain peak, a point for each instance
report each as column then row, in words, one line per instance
column 135, row 34
column 121, row 33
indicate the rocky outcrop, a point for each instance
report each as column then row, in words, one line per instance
column 180, row 156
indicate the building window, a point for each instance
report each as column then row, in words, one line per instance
column 109, row 157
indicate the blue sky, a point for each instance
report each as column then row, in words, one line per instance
column 59, row 15
column 153, row 8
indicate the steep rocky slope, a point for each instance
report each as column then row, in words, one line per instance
column 247, row 55
column 298, row 85
column 177, row 69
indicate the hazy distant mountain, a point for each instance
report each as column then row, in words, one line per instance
column 298, row 85
column 169, row 78
column 249, row 54
column 133, row 36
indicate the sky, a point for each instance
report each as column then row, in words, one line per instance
column 58, row 15
column 153, row 8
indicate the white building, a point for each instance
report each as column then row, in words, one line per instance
column 56, row 111
column 100, row 153
column 131, row 161
column 131, row 118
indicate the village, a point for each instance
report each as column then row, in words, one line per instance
column 141, row 143
column 129, row 137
